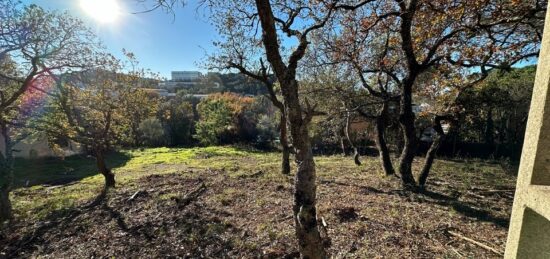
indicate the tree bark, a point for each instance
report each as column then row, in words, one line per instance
column 285, row 166
column 380, row 140
column 434, row 147
column 305, row 188
column 406, row 114
column 6, row 175
column 406, row 121
column 104, row 170
column 5, row 204
column 305, row 215
column 342, row 145
column 346, row 133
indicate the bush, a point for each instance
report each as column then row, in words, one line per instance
column 224, row 119
column 152, row 131
column 267, row 131
column 177, row 116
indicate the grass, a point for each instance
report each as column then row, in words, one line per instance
column 43, row 175
column 71, row 181
column 248, row 201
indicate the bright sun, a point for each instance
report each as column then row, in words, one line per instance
column 104, row 11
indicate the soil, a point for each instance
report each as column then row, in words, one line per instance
column 250, row 217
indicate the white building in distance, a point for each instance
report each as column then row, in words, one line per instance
column 181, row 79
column 186, row 76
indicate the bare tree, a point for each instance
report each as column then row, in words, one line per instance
column 266, row 23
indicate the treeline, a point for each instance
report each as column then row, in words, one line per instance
column 491, row 121
column 219, row 119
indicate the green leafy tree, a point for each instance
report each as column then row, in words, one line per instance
column 89, row 109
column 34, row 45
column 497, row 109
column 178, row 117
column 152, row 132
column 222, row 118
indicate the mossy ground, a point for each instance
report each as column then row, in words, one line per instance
column 246, row 209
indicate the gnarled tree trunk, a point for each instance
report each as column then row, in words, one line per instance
column 305, row 214
column 285, row 166
column 380, row 140
column 103, row 169
column 6, row 175
column 346, row 133
column 434, row 147
column 406, row 120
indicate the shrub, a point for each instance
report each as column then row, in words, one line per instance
column 177, row 116
column 223, row 119
column 152, row 131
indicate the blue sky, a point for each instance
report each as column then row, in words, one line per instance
column 161, row 42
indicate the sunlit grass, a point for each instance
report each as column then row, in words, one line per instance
column 56, row 185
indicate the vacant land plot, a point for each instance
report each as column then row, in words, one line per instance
column 228, row 202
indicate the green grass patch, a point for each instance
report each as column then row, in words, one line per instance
column 48, row 185
column 45, row 186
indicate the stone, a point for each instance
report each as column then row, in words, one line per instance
column 529, row 233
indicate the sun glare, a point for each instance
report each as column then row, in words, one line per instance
column 103, row 11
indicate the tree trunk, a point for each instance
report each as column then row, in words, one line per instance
column 310, row 242
column 137, row 138
column 399, row 142
column 346, row 133
column 305, row 214
column 455, row 140
column 406, row 120
column 5, row 204
column 6, row 175
column 104, row 170
column 380, row 140
column 428, row 162
column 343, row 145
column 434, row 147
column 285, row 166
column 489, row 128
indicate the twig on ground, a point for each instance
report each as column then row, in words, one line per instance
column 134, row 195
column 254, row 175
column 459, row 254
column 475, row 242
column 284, row 219
column 475, row 195
column 191, row 196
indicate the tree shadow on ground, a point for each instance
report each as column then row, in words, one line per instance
column 463, row 207
column 55, row 220
column 114, row 225
column 57, row 171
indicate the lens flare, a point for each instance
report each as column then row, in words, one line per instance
column 103, row 11
column 33, row 100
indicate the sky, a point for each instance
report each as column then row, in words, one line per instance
column 161, row 41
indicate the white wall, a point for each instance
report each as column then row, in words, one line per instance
column 39, row 148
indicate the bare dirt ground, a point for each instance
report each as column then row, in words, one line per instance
column 241, row 208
